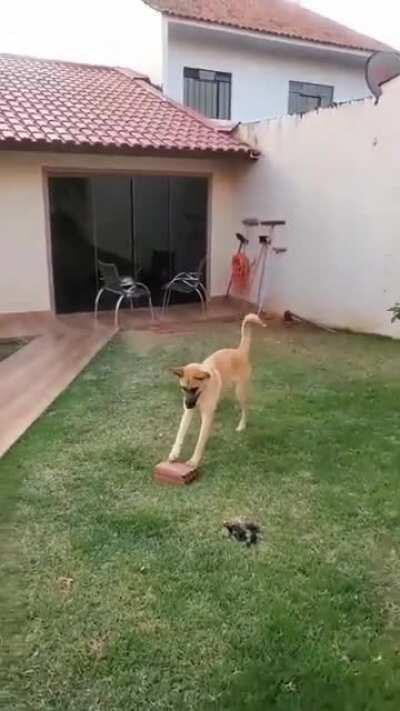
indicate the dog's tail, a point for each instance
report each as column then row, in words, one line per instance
column 246, row 331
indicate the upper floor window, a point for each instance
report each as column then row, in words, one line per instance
column 208, row 92
column 304, row 96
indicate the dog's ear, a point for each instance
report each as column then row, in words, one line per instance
column 178, row 372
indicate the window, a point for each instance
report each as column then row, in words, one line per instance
column 304, row 96
column 208, row 92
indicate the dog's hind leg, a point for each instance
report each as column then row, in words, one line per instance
column 241, row 394
column 182, row 432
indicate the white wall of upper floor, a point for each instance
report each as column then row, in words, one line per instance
column 261, row 67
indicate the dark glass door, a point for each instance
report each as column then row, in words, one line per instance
column 72, row 241
column 112, row 206
column 188, row 223
column 151, row 227
column 170, row 229
column 153, row 258
column 112, row 230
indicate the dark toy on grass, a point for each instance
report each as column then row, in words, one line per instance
column 243, row 531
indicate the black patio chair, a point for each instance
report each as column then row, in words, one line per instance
column 187, row 283
column 125, row 287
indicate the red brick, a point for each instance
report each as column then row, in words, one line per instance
column 177, row 473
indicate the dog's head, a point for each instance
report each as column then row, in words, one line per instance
column 193, row 380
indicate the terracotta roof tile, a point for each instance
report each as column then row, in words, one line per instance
column 276, row 17
column 62, row 105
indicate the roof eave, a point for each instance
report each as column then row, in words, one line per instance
column 113, row 150
column 289, row 39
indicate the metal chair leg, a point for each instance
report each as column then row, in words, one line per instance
column 96, row 303
column 146, row 292
column 205, row 295
column 151, row 307
column 119, row 302
column 169, row 298
column 165, row 301
column 200, row 295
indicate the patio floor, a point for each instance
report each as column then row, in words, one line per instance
column 35, row 375
column 34, row 324
column 62, row 346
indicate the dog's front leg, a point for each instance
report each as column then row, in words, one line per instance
column 180, row 437
column 206, row 422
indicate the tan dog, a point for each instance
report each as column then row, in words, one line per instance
column 203, row 383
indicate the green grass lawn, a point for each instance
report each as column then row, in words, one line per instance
column 123, row 596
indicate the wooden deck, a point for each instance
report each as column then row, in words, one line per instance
column 35, row 375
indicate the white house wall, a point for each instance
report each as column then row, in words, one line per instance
column 334, row 177
column 260, row 76
column 25, row 262
column 24, row 280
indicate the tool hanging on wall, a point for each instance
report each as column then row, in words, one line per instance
column 265, row 242
column 240, row 272
column 241, row 252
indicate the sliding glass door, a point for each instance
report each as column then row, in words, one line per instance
column 153, row 258
column 149, row 226
column 73, row 250
column 188, row 223
column 112, row 226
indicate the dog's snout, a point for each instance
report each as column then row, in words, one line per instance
column 191, row 397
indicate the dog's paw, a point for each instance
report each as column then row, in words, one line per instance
column 193, row 463
column 173, row 456
column 241, row 427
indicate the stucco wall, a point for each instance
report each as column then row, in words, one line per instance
column 260, row 73
column 25, row 271
column 24, row 283
column 334, row 177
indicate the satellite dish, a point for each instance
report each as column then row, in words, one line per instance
column 380, row 68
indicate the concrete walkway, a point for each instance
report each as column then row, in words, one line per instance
column 32, row 378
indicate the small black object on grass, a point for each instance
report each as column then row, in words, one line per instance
column 243, row 531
